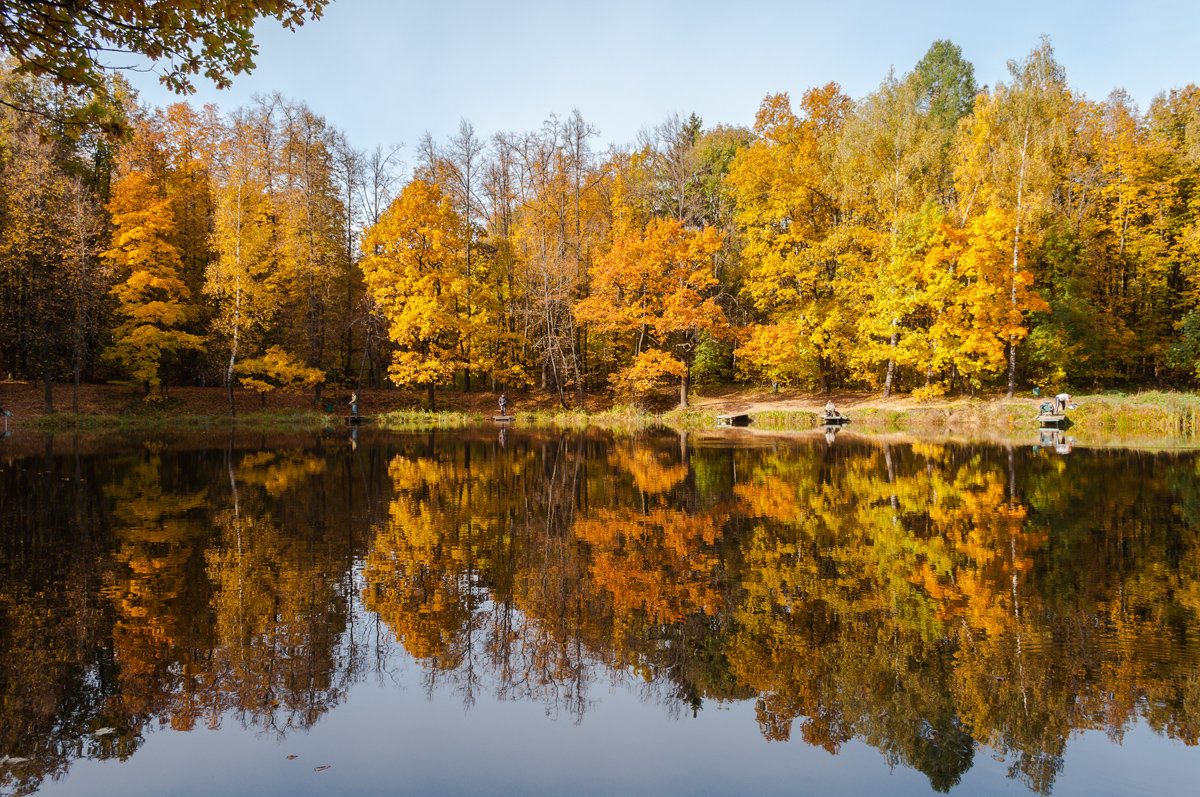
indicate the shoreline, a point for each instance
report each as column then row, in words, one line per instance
column 1149, row 419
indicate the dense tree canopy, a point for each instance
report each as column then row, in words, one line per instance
column 928, row 237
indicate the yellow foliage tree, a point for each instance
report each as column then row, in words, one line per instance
column 887, row 155
column 1006, row 162
column 791, row 222
column 657, row 283
column 241, row 277
column 415, row 274
column 982, row 303
column 279, row 370
column 152, row 299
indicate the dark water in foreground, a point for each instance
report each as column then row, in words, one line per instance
column 568, row 613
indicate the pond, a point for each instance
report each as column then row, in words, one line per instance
column 563, row 612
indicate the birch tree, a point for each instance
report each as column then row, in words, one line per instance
column 239, row 278
column 1006, row 161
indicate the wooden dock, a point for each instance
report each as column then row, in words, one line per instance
column 1053, row 419
column 734, row 419
column 357, row 420
column 833, row 419
column 504, row 418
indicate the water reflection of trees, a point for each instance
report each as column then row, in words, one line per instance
column 146, row 595
column 921, row 598
column 52, row 629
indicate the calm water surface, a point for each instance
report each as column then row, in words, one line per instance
column 586, row 614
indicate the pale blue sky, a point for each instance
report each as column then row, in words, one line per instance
column 385, row 71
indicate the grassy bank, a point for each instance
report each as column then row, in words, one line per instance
column 1140, row 413
column 620, row 418
column 150, row 421
column 962, row 418
column 410, row 420
column 1140, row 419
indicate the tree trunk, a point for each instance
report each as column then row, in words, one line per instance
column 233, row 347
column 1012, row 366
column 431, row 407
column 362, row 365
column 890, row 379
column 1016, row 263
column 580, row 367
column 889, row 382
column 77, row 350
column 685, row 386
column 75, row 388
column 46, row 372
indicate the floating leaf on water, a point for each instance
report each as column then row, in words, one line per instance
column 104, row 732
column 289, row 758
column 322, row 768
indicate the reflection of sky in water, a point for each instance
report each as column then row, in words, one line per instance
column 396, row 733
column 389, row 740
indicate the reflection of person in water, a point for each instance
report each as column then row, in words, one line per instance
column 1054, row 438
column 503, row 435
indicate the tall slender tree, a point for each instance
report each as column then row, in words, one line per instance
column 1006, row 163
column 241, row 277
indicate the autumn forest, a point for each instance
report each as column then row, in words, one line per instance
column 934, row 236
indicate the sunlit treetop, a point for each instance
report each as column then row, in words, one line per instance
column 75, row 41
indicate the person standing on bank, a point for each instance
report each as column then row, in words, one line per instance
column 503, row 401
column 1061, row 401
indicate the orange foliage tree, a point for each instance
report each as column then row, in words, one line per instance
column 656, row 284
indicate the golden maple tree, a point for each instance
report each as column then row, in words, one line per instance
column 414, row 271
column 657, row 285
